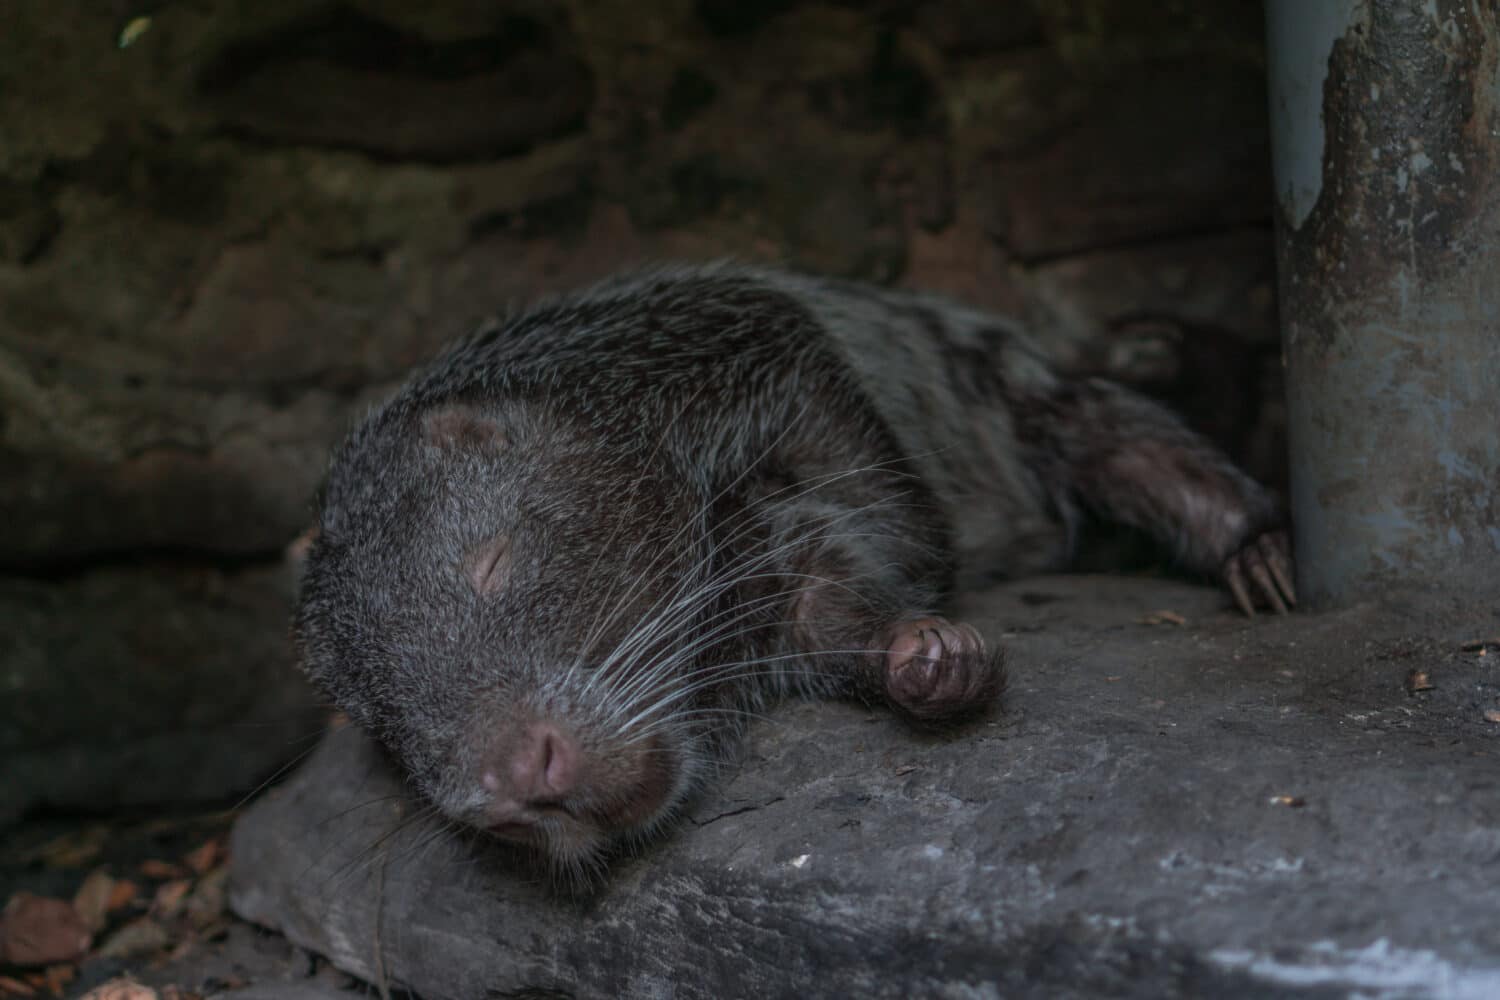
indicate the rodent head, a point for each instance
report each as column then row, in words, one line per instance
column 491, row 594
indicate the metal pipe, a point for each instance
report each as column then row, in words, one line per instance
column 1385, row 122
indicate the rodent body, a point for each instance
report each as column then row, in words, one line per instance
column 556, row 572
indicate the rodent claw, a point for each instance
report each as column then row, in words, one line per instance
column 1262, row 578
column 1278, row 560
column 1234, row 578
column 1262, row 570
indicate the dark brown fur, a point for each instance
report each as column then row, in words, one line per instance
column 558, row 570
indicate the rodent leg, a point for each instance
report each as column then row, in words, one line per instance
column 1132, row 461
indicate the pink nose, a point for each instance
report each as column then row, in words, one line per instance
column 538, row 768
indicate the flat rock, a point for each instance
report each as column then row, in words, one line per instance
column 288, row 991
column 1222, row 807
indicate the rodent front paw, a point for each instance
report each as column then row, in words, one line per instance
column 936, row 669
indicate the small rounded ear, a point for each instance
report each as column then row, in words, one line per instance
column 460, row 426
column 487, row 568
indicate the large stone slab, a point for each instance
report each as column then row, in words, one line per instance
column 1223, row 808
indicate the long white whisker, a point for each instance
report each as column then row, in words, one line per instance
column 725, row 671
column 807, row 486
column 750, row 467
column 622, row 693
column 732, row 616
column 831, row 518
column 619, row 693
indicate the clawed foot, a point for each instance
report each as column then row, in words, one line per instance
column 1261, row 573
column 937, row 669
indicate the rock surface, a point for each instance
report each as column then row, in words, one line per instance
column 130, row 686
column 1223, row 808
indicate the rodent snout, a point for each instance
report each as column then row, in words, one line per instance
column 530, row 773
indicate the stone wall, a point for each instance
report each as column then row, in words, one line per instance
column 221, row 241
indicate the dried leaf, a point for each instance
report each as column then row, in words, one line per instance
column 124, row 892
column 92, row 899
column 169, row 896
column 122, row 989
column 182, row 949
column 73, row 849
column 203, row 857
column 215, row 930
column 157, row 869
column 139, row 937
column 37, row 930
column 209, row 898
column 59, row 976
column 1163, row 617
column 12, row 987
column 1417, row 680
column 165, row 825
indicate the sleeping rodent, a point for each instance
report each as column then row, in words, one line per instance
column 557, row 571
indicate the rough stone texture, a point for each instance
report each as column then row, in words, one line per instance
column 272, row 967
column 205, row 263
column 1228, row 808
column 288, row 991
column 221, row 242
column 206, row 706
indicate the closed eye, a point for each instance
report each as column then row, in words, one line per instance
column 487, row 568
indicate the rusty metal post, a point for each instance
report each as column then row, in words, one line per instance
column 1386, row 140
